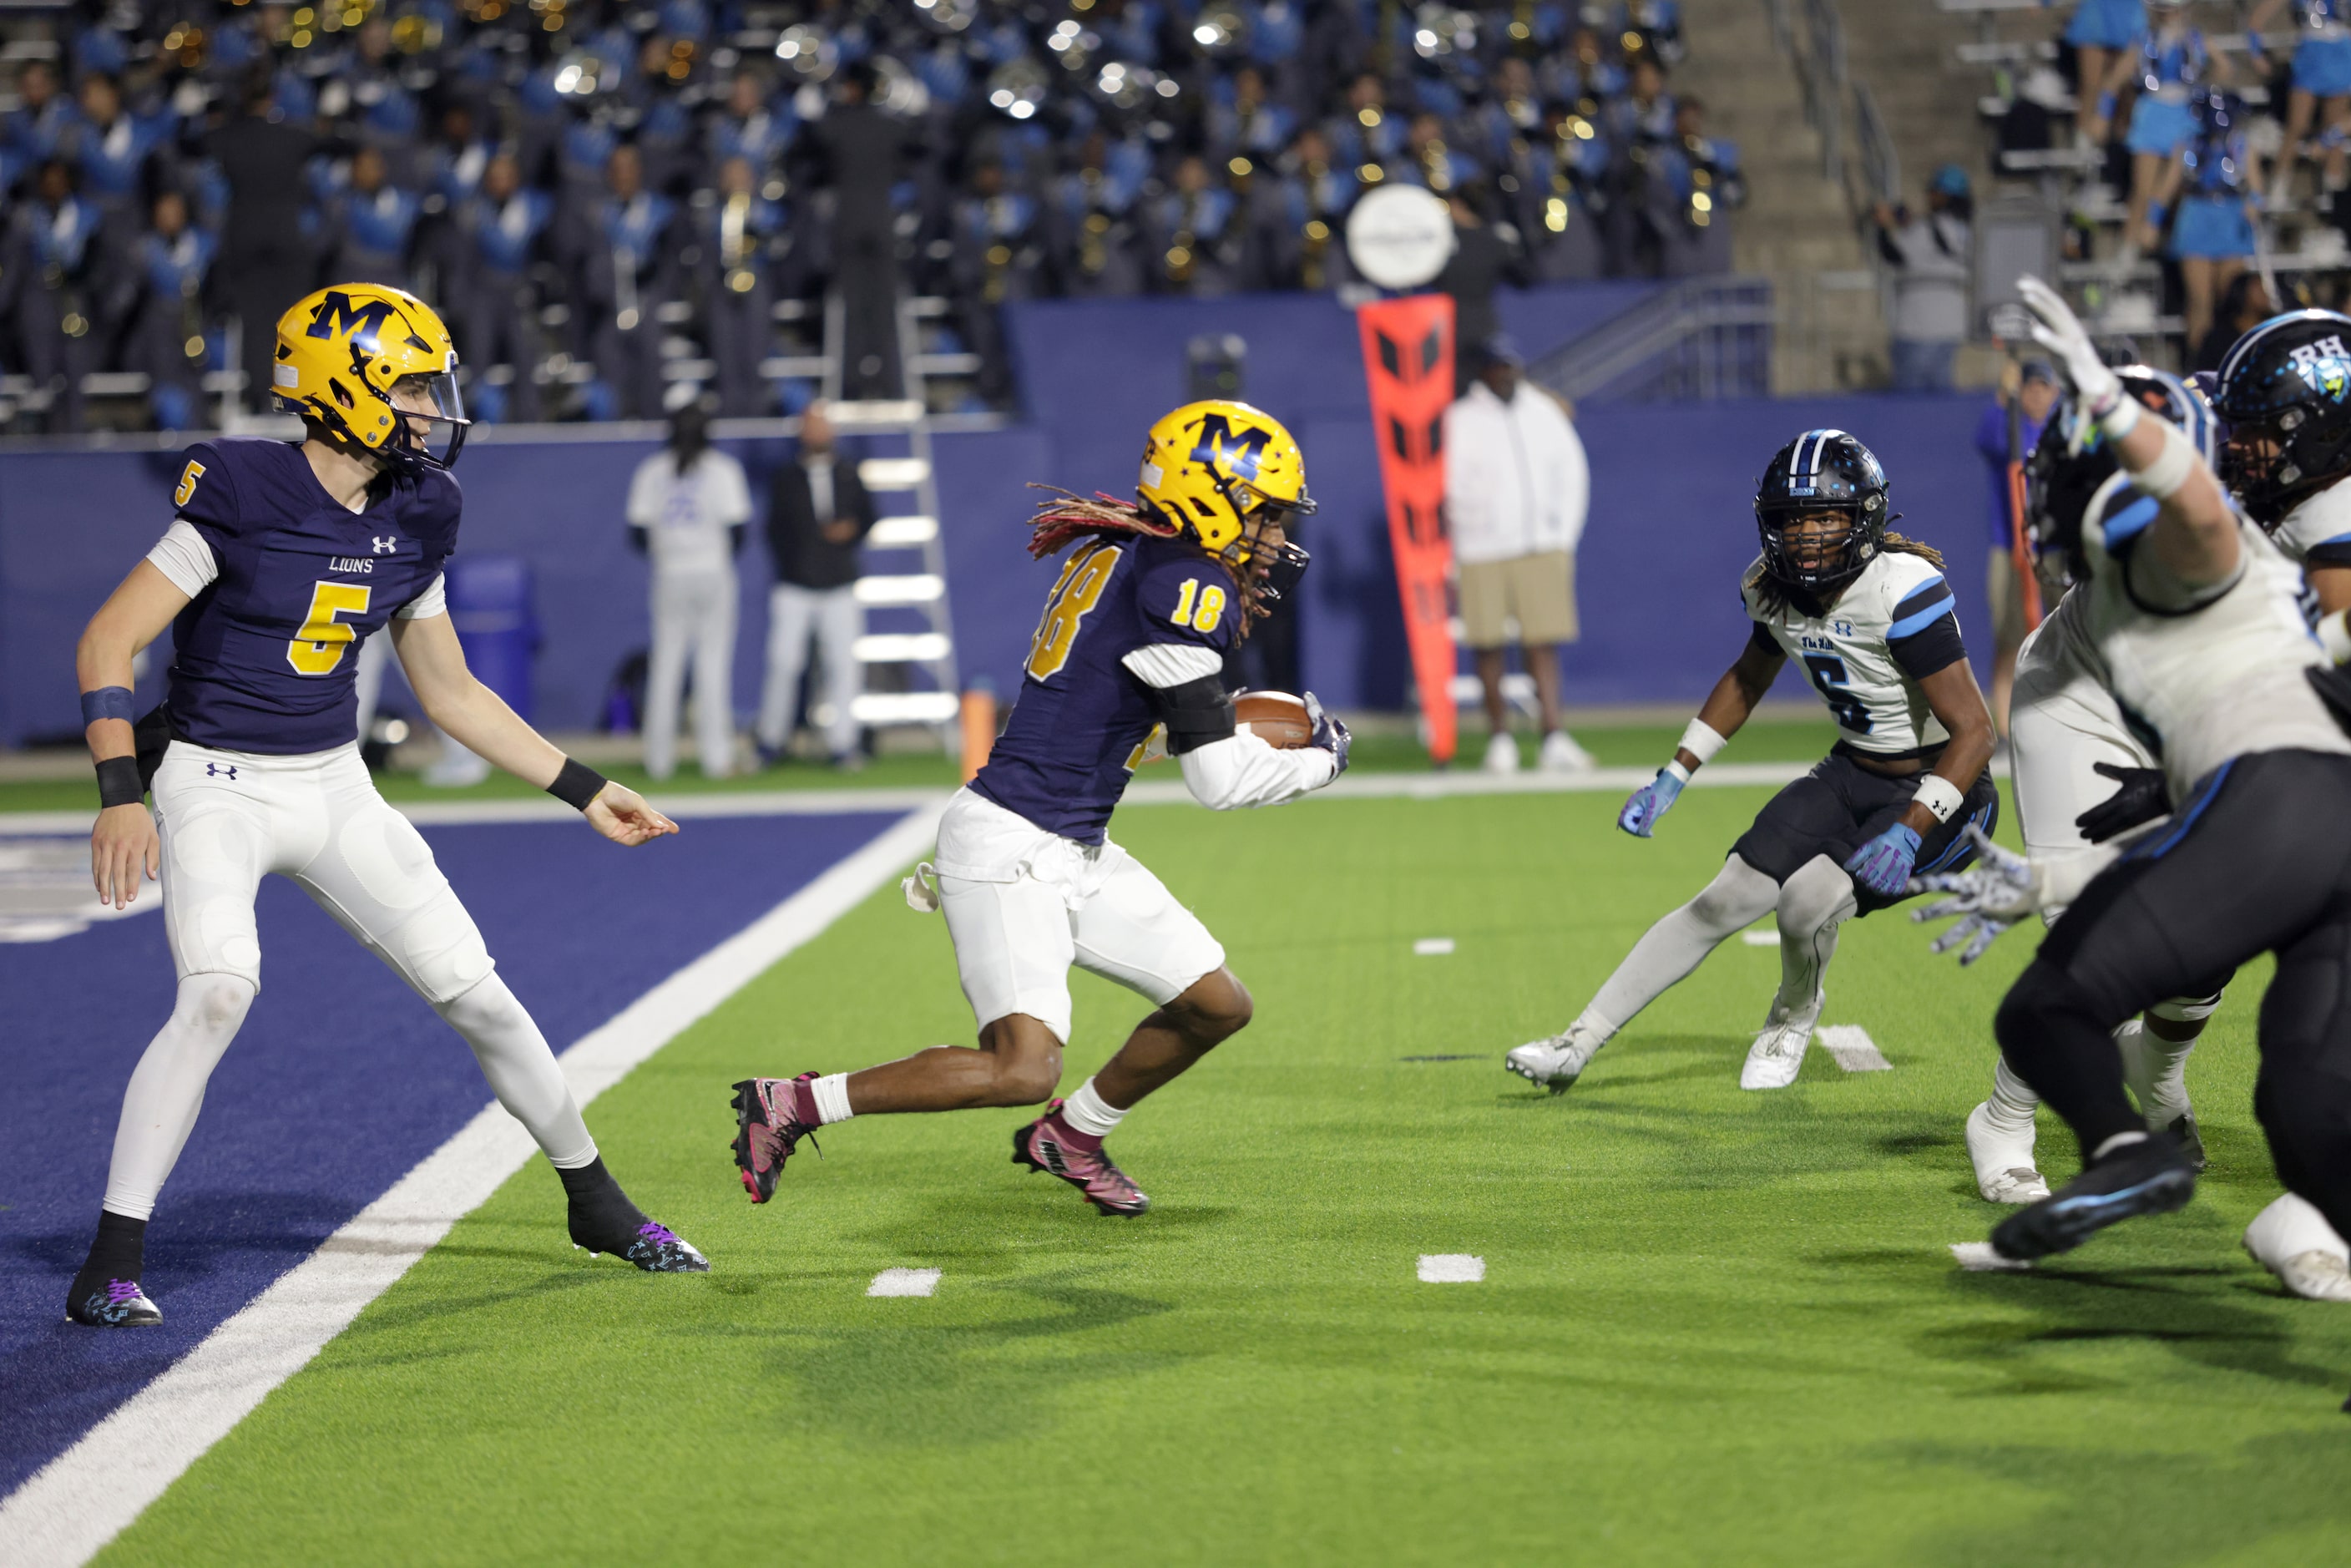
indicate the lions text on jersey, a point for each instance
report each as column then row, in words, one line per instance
column 1078, row 731
column 1894, row 625
column 264, row 656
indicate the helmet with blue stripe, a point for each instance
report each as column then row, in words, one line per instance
column 2073, row 460
column 2285, row 393
column 1821, row 472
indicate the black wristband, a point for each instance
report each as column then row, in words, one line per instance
column 118, row 782
column 577, row 785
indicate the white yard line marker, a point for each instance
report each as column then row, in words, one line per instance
column 88, row 1494
column 1854, row 1052
column 1978, row 1258
column 1432, row 946
column 905, row 1282
column 1451, row 1268
column 1767, row 937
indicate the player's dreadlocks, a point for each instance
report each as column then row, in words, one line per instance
column 1066, row 517
column 1771, row 596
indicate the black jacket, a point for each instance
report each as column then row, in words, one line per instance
column 803, row 556
column 264, row 163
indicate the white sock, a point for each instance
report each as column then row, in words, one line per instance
column 832, row 1092
column 1590, row 1022
column 513, row 1056
column 1090, row 1112
column 167, row 1089
column 2012, row 1100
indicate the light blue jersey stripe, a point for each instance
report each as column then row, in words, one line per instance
column 1911, row 625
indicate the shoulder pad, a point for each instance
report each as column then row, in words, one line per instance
column 1184, row 596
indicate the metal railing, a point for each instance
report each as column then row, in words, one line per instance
column 1701, row 338
column 1881, row 160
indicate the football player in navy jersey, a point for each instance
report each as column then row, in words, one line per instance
column 1132, row 642
column 1869, row 617
column 282, row 558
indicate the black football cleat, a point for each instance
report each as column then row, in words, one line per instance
column 767, row 1130
column 650, row 1245
column 103, row 1303
column 2149, row 1176
column 1040, row 1147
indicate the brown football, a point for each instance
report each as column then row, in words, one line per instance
column 1275, row 717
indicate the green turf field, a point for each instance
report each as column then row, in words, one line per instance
column 1716, row 1327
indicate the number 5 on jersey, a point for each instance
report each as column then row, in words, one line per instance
column 1081, row 587
column 318, row 647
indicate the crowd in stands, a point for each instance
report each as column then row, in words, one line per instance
column 600, row 195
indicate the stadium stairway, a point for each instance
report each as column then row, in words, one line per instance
column 1796, row 228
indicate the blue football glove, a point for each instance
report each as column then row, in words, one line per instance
column 1328, row 734
column 1650, row 802
column 1883, row 864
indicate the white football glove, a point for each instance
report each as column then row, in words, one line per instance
column 2001, row 889
column 2056, row 329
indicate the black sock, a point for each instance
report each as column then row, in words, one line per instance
column 119, row 1250
column 599, row 1207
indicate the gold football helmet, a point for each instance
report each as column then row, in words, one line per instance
column 1220, row 470
column 343, row 351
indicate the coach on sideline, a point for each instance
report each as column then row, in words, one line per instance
column 688, row 505
column 1516, row 487
column 817, row 513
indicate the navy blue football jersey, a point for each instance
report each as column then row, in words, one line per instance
column 265, row 658
column 1078, row 731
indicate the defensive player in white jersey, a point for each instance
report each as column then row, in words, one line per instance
column 2207, row 652
column 2289, row 450
column 1868, row 615
column 2080, row 777
column 284, row 558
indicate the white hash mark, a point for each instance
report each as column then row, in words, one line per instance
column 905, row 1282
column 1432, row 946
column 1854, row 1052
column 1451, row 1268
column 1977, row 1257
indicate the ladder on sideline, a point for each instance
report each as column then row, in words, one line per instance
column 903, row 590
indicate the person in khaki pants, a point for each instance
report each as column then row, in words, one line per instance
column 1516, row 487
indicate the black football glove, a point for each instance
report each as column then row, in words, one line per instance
column 2143, row 798
column 1328, row 734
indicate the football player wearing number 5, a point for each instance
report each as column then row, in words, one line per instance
column 1869, row 619
column 1132, row 639
column 283, row 558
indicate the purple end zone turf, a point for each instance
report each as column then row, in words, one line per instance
column 341, row 1081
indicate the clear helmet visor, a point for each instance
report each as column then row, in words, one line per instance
column 432, row 416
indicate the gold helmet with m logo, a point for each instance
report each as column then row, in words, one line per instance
column 374, row 370
column 1220, row 470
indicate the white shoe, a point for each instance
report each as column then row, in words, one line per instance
column 2293, row 1240
column 1778, row 1053
column 1556, row 1062
column 1561, row 754
column 2004, row 1169
column 1501, row 754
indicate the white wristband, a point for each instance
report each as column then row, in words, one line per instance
column 2163, row 477
column 2335, row 636
column 2119, row 418
column 1701, row 742
column 1676, row 770
column 1940, row 796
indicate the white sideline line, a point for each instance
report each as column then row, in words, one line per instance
column 1854, row 1052
column 1143, row 792
column 92, row 1492
column 1767, row 937
column 1451, row 1268
column 905, row 1282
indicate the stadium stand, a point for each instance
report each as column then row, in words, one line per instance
column 614, row 202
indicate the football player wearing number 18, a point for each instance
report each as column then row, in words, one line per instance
column 282, row 558
column 1868, row 615
column 1133, row 639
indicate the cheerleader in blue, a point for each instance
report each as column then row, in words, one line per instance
column 2213, row 235
column 2104, row 33
column 2322, row 87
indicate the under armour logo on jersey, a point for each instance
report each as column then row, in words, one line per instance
column 215, row 770
column 384, row 545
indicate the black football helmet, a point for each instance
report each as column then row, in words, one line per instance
column 2072, row 461
column 1822, row 471
column 2285, row 395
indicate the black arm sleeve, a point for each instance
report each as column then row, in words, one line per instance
column 1197, row 714
column 638, row 538
column 1927, row 632
column 1763, row 642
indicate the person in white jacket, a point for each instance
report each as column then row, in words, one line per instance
column 688, row 504
column 1516, row 489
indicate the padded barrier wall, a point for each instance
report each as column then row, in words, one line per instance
column 1671, row 530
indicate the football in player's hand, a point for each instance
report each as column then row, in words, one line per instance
column 1275, row 717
